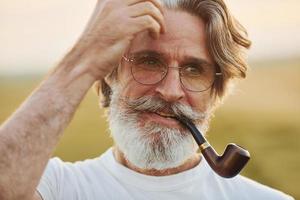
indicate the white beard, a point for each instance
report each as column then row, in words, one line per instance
column 151, row 146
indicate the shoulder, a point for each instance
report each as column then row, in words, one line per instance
column 73, row 171
column 254, row 190
column 239, row 187
column 78, row 180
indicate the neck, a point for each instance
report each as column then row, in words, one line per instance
column 189, row 164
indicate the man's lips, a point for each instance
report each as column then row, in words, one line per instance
column 161, row 118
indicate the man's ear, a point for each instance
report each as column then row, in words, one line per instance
column 104, row 91
column 108, row 80
column 112, row 77
column 104, row 88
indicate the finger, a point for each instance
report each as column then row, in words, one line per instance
column 157, row 3
column 147, row 8
column 93, row 18
column 148, row 22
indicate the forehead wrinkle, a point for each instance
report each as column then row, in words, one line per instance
column 180, row 41
column 176, row 53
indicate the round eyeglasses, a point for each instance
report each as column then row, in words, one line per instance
column 195, row 76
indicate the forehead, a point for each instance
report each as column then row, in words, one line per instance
column 185, row 36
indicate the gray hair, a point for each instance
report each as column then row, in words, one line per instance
column 226, row 38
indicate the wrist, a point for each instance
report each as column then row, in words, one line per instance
column 84, row 61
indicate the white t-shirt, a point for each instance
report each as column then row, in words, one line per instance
column 104, row 178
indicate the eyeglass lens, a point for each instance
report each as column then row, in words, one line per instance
column 151, row 69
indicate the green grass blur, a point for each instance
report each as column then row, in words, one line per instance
column 262, row 115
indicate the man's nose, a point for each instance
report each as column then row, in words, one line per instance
column 170, row 88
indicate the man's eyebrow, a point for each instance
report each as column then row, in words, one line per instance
column 198, row 61
column 186, row 59
column 148, row 53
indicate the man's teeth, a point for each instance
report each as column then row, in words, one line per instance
column 165, row 114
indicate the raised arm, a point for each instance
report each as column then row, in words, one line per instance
column 29, row 136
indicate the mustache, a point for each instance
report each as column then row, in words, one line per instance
column 156, row 104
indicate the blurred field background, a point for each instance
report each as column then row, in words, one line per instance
column 263, row 114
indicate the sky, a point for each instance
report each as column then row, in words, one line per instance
column 36, row 34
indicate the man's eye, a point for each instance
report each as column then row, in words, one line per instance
column 192, row 70
column 150, row 62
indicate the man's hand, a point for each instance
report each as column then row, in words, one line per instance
column 109, row 32
column 29, row 136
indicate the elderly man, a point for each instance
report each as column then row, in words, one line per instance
column 153, row 60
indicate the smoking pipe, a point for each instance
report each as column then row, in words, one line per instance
column 227, row 165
